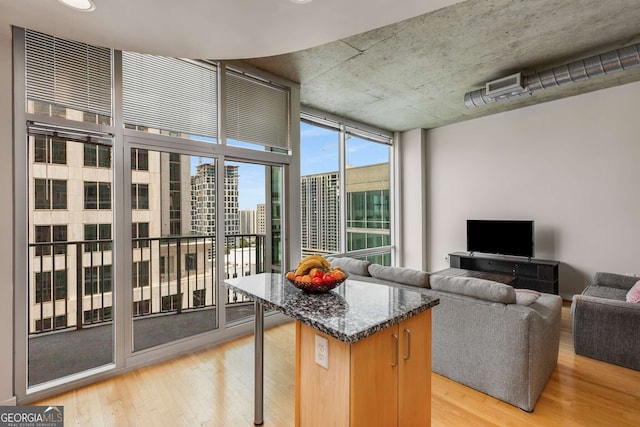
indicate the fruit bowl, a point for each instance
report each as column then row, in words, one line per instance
column 314, row 274
column 317, row 287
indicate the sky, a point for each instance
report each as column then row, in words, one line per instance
column 319, row 150
column 319, row 154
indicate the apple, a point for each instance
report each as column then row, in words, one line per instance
column 329, row 279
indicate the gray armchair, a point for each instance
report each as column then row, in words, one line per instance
column 605, row 326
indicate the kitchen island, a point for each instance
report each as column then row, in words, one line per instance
column 363, row 351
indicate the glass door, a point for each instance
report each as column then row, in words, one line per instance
column 173, row 230
column 70, row 256
column 253, row 243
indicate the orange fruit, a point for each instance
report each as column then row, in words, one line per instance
column 338, row 275
column 306, row 279
column 291, row 275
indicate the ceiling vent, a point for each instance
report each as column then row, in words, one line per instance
column 517, row 85
column 505, row 87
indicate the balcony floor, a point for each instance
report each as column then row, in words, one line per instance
column 59, row 354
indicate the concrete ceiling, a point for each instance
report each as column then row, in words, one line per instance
column 414, row 73
column 394, row 64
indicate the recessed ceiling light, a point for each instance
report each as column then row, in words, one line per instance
column 83, row 5
column 301, row 1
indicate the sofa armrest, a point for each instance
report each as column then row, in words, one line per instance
column 516, row 346
column 614, row 280
column 597, row 303
column 544, row 319
column 607, row 329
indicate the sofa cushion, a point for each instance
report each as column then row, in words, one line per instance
column 634, row 293
column 487, row 290
column 526, row 296
column 351, row 265
column 613, row 280
column 606, row 292
column 406, row 276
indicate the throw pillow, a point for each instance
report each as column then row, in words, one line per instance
column 406, row 276
column 526, row 296
column 634, row 293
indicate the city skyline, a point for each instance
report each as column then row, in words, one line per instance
column 319, row 154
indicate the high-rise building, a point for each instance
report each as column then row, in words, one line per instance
column 203, row 199
column 368, row 216
column 261, row 219
column 320, row 213
column 72, row 185
column 203, row 196
column 231, row 217
column 72, row 204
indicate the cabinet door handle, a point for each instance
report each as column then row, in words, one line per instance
column 396, row 350
column 407, row 355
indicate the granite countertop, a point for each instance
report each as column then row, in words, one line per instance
column 350, row 312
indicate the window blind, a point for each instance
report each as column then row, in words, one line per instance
column 257, row 112
column 67, row 73
column 169, row 94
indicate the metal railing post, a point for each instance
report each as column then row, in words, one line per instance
column 78, row 285
column 179, row 275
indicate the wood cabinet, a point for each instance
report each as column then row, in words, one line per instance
column 382, row 380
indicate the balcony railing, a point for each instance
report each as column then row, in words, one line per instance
column 71, row 283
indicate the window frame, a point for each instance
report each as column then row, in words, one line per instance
column 49, row 146
column 139, row 201
column 102, row 196
column 139, row 159
column 52, row 198
column 346, row 127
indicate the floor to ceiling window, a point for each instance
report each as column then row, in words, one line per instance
column 368, row 197
column 69, row 211
column 168, row 102
column 135, row 210
column 346, row 196
column 320, row 189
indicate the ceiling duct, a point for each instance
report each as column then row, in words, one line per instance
column 593, row 66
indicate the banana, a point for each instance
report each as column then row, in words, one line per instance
column 323, row 260
column 311, row 261
column 305, row 266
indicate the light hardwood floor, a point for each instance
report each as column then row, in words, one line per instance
column 214, row 387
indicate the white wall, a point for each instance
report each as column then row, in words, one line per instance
column 6, row 225
column 572, row 165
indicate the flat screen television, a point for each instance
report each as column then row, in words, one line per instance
column 503, row 237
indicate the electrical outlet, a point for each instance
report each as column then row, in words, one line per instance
column 322, row 351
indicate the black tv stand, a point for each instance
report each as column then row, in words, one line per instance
column 530, row 273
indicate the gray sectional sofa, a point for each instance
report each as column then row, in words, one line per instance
column 605, row 325
column 486, row 335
